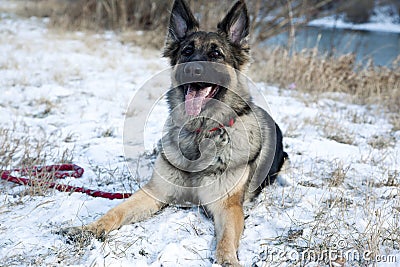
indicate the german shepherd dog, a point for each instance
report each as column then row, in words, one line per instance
column 219, row 148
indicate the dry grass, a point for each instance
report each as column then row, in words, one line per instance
column 340, row 204
column 94, row 14
column 339, row 173
column 382, row 141
column 153, row 15
column 334, row 130
column 23, row 149
column 307, row 71
column 347, row 211
column 395, row 121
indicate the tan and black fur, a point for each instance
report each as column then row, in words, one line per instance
column 217, row 168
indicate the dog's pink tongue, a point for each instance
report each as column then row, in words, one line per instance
column 194, row 100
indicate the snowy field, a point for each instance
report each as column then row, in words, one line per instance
column 340, row 195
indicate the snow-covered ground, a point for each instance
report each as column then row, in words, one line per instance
column 381, row 20
column 342, row 192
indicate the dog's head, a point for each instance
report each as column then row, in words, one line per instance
column 206, row 64
column 227, row 45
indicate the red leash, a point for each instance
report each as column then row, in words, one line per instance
column 60, row 171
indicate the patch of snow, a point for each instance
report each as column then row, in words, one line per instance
column 379, row 21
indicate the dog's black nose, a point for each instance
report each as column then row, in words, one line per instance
column 193, row 69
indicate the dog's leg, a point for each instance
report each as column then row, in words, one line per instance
column 229, row 223
column 139, row 206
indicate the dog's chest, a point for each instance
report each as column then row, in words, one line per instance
column 208, row 148
column 214, row 142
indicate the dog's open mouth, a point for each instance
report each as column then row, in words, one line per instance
column 197, row 95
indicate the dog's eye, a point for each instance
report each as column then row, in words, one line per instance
column 215, row 54
column 187, row 51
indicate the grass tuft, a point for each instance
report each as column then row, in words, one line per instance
column 19, row 148
column 307, row 71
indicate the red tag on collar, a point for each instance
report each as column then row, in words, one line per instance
column 230, row 124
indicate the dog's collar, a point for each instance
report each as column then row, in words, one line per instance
column 221, row 126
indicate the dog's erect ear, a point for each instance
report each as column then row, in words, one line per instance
column 236, row 23
column 181, row 21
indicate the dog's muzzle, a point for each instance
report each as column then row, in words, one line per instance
column 193, row 69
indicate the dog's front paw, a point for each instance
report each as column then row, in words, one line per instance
column 231, row 264
column 226, row 260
